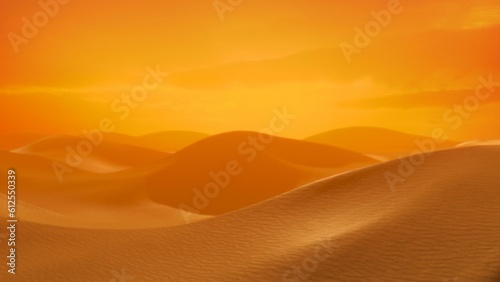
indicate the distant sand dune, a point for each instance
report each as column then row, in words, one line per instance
column 166, row 141
column 103, row 156
column 376, row 141
column 441, row 223
column 15, row 140
column 124, row 186
column 264, row 171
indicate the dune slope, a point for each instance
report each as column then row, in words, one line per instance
column 441, row 224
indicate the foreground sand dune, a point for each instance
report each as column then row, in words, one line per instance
column 441, row 224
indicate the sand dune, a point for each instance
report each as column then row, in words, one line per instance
column 228, row 171
column 15, row 140
column 123, row 186
column 84, row 199
column 166, row 141
column 100, row 157
column 376, row 141
column 78, row 211
column 35, row 166
column 478, row 142
column 441, row 224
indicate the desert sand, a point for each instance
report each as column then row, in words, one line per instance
column 288, row 216
column 126, row 186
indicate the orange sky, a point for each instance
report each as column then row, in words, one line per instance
column 231, row 74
